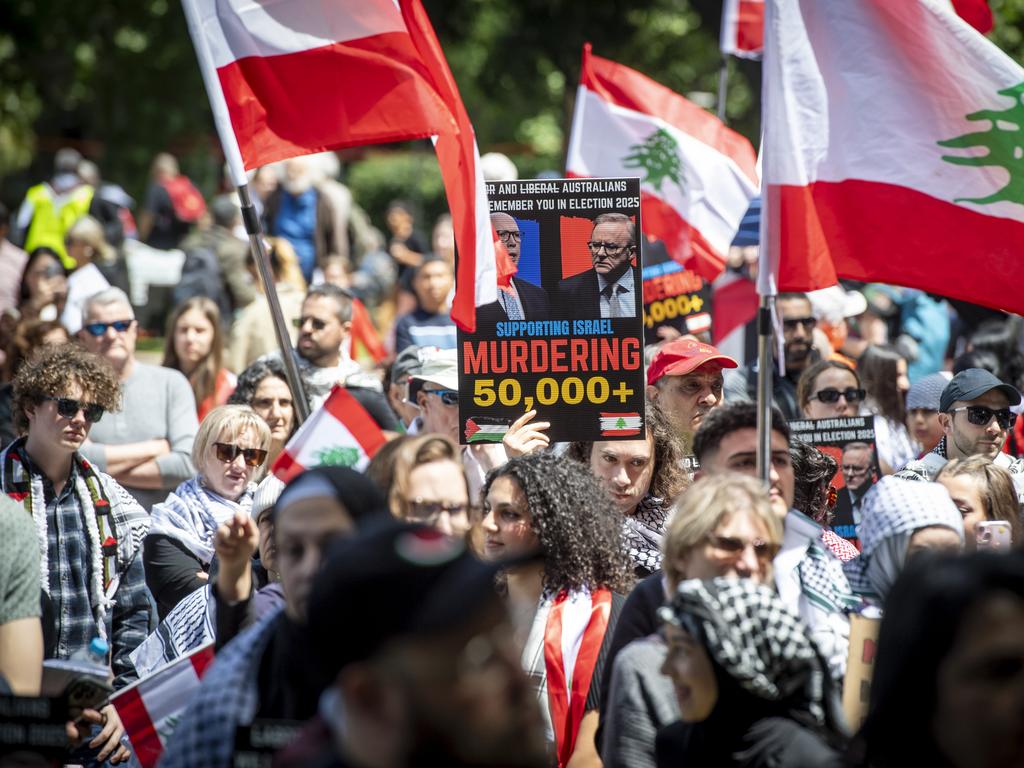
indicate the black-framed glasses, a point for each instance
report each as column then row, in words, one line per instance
column 317, row 323
column 509, row 235
column 981, row 415
column 807, row 323
column 429, row 512
column 98, row 329
column 612, row 249
column 832, row 395
column 68, row 407
column 228, row 452
column 448, row 396
column 765, row 551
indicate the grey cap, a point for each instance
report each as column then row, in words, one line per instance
column 971, row 384
column 926, row 392
column 407, row 363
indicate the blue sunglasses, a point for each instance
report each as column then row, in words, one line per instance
column 98, row 329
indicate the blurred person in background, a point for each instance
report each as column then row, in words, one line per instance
column 52, row 206
column 406, row 248
column 982, row 491
column 429, row 485
column 407, row 363
column 829, row 389
column 111, row 205
column 96, row 263
column 883, row 372
column 263, row 386
column 44, row 286
column 171, row 207
column 429, row 324
column 12, row 264
column 194, row 345
column 21, row 633
column 923, row 411
column 29, row 336
column 814, row 496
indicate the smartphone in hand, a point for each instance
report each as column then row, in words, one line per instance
column 993, row 535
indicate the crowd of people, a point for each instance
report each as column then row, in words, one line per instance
column 632, row 602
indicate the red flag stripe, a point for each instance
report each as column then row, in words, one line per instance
column 364, row 333
column 286, row 467
column 131, row 708
column 346, row 409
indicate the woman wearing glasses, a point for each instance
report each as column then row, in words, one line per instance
column 430, row 485
column 230, row 447
column 829, row 389
column 723, row 526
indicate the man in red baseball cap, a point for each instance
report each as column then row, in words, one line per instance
column 685, row 379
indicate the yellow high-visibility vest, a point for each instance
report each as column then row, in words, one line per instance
column 52, row 217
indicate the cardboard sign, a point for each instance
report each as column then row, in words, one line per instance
column 568, row 338
column 860, row 667
column 851, row 442
column 674, row 297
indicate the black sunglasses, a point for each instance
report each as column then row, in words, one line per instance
column 764, row 551
column 318, row 325
column 832, row 395
column 980, row 415
column 808, row 323
column 448, row 396
column 68, row 407
column 98, row 329
column 228, row 452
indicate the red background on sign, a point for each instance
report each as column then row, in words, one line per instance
column 575, row 231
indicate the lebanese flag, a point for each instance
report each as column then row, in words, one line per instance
column 697, row 176
column 151, row 707
column 339, row 433
column 892, row 151
column 743, row 28
column 296, row 76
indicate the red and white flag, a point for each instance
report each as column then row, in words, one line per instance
column 697, row 176
column 743, row 28
column 341, row 433
column 893, row 140
column 364, row 333
column 151, row 707
column 293, row 77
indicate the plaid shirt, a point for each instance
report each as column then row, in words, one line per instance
column 70, row 559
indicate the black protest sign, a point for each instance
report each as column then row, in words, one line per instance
column 566, row 338
column 674, row 297
column 851, row 442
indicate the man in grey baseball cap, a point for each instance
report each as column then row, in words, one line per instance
column 974, row 411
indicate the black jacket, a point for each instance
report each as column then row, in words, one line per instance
column 534, row 300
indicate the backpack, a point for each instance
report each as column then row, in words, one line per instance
column 188, row 202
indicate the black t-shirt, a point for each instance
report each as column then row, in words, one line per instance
column 168, row 230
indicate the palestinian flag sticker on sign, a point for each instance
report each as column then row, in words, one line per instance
column 620, row 424
column 480, row 429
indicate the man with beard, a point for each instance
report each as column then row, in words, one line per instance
column 522, row 300
column 798, row 325
column 432, row 676
column 685, row 378
column 609, row 289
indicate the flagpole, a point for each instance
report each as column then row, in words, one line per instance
column 764, row 386
column 723, row 86
column 259, row 252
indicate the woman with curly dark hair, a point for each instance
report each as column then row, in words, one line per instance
column 263, row 386
column 643, row 479
column 542, row 503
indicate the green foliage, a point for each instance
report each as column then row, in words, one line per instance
column 412, row 176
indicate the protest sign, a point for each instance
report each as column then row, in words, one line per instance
column 851, row 442
column 860, row 667
column 674, row 297
column 567, row 337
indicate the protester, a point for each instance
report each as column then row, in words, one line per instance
column 798, row 325
column 685, row 378
column 429, row 324
column 884, row 373
column 194, row 345
column 746, row 697
column 29, row 336
column 230, row 447
column 263, row 386
column 829, row 389
column 171, row 206
column 923, row 411
column 543, row 503
column 95, row 269
column 264, row 672
column 975, row 413
column 982, row 491
column 643, row 479
column 21, row 634
column 12, row 264
column 814, row 496
column 808, row 576
column 396, row 384
column 44, row 286
column 946, row 687
column 50, row 207
column 89, row 530
column 899, row 520
column 458, row 698
column 145, row 446
column 721, row 527
column 235, row 285
column 429, row 485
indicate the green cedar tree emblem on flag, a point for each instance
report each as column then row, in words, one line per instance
column 658, row 156
column 338, row 456
column 621, row 423
column 1004, row 140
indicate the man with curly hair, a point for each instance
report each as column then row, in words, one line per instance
column 89, row 529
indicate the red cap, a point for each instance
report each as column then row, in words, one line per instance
column 679, row 357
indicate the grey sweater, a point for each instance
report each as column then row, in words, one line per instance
column 156, row 403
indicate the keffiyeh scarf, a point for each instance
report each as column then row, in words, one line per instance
column 892, row 510
column 754, row 637
column 644, row 530
column 193, row 512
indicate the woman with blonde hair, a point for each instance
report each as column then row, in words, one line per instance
column 722, row 527
column 95, row 268
column 230, row 448
column 429, row 485
column 982, row 491
column 194, row 345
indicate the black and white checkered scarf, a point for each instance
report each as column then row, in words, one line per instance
column 643, row 532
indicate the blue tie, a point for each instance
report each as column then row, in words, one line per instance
column 511, row 303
